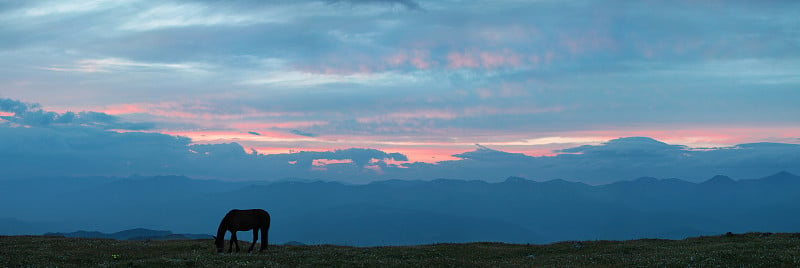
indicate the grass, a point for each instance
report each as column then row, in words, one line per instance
column 748, row 250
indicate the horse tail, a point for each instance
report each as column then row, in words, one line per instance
column 265, row 231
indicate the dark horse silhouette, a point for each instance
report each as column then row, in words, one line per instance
column 243, row 220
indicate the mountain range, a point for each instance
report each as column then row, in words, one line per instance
column 401, row 212
column 133, row 234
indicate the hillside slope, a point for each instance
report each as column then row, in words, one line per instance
column 751, row 249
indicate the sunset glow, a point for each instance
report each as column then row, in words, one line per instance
column 401, row 82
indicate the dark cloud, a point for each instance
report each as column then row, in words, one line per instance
column 302, row 133
column 33, row 115
column 632, row 147
column 397, row 157
column 221, row 151
column 14, row 106
column 484, row 153
column 74, row 150
column 254, row 133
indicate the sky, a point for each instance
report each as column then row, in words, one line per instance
column 411, row 88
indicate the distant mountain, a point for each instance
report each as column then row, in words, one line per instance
column 397, row 212
column 133, row 234
column 14, row 226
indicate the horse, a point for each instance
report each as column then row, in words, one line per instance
column 243, row 220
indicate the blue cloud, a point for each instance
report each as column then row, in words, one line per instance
column 302, row 133
column 34, row 115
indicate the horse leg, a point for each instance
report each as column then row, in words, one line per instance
column 264, row 236
column 230, row 244
column 255, row 238
column 235, row 241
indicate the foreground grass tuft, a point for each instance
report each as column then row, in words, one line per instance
column 751, row 249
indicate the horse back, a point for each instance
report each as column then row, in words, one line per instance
column 243, row 220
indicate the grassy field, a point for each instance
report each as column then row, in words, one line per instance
column 749, row 250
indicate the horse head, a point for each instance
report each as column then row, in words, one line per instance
column 220, row 243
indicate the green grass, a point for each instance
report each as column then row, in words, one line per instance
column 749, row 250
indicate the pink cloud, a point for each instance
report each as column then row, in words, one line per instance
column 706, row 136
column 123, row 109
column 190, row 110
column 436, row 145
column 288, row 149
column 397, row 59
column 244, row 126
column 417, row 58
column 202, row 136
column 487, row 59
column 421, row 59
column 6, row 114
column 324, row 162
column 506, row 58
column 461, row 60
column 428, row 155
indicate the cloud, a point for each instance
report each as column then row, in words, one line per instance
column 484, row 153
column 633, row 157
column 360, row 157
column 632, row 147
column 34, row 115
column 14, row 106
column 52, row 8
column 86, row 151
column 308, row 79
column 195, row 14
column 78, row 144
column 379, row 73
column 41, row 143
column 409, row 4
column 74, row 150
column 488, row 59
column 302, row 133
column 117, row 64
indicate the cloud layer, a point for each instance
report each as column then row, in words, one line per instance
column 409, row 76
column 37, row 143
column 405, row 68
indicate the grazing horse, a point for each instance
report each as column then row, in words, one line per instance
column 243, row 220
